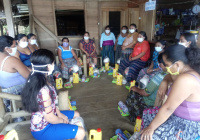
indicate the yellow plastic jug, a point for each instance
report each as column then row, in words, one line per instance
column 138, row 124
column 75, row 78
column 11, row 135
column 132, row 84
column 117, row 67
column 59, row 83
column 91, row 71
column 119, row 79
column 95, row 134
column 107, row 66
column 115, row 73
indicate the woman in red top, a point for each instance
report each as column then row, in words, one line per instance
column 138, row 58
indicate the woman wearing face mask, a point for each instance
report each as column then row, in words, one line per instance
column 144, row 98
column 32, row 42
column 187, row 40
column 68, row 58
column 38, row 98
column 118, row 43
column 129, row 42
column 24, row 52
column 179, row 115
column 88, row 46
column 154, row 68
column 107, row 45
column 13, row 73
column 138, row 59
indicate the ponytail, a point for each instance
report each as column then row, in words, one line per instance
column 193, row 56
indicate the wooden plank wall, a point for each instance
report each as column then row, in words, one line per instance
column 43, row 11
column 96, row 17
column 147, row 21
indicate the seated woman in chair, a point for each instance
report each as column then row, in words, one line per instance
column 13, row 73
column 88, row 46
column 178, row 117
column 24, row 52
column 153, row 69
column 68, row 58
column 138, row 59
column 38, row 98
column 143, row 98
column 32, row 42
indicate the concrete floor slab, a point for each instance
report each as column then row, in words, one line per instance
column 97, row 103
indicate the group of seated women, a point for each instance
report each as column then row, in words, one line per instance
column 27, row 70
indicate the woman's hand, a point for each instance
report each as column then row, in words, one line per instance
column 65, row 118
column 149, row 71
column 147, row 133
column 162, row 90
column 78, row 63
column 123, row 48
column 87, row 54
column 62, row 66
column 130, row 58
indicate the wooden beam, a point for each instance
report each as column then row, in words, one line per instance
column 30, row 15
column 54, row 17
column 47, row 30
column 9, row 17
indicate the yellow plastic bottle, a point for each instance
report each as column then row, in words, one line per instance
column 115, row 73
column 138, row 124
column 59, row 83
column 107, row 66
column 75, row 78
column 117, row 67
column 11, row 135
column 132, row 84
column 91, row 71
column 119, row 79
column 95, row 134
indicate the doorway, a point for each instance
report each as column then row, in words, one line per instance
column 114, row 22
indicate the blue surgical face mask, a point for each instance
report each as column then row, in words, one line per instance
column 65, row 44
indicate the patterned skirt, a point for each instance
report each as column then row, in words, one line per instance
column 126, row 53
column 174, row 128
column 108, row 51
column 16, row 90
column 118, row 52
column 69, row 63
column 134, row 68
column 136, row 105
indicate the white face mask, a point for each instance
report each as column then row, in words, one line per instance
column 51, row 69
column 131, row 30
column 107, row 31
column 86, row 37
column 140, row 39
column 184, row 44
column 33, row 42
column 124, row 31
column 158, row 48
column 23, row 44
column 14, row 50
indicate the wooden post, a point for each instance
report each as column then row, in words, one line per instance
column 30, row 16
column 9, row 17
column 1, row 28
column 85, row 65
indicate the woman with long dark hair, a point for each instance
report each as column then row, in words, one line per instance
column 32, row 42
column 38, row 98
column 138, row 58
column 188, row 40
column 178, row 117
